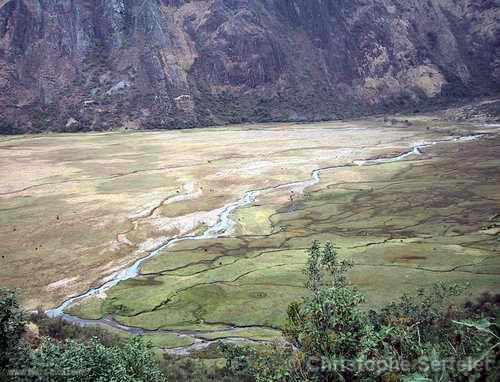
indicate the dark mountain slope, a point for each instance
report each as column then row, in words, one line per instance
column 72, row 65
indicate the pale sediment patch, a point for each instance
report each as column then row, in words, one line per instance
column 123, row 239
column 147, row 210
column 188, row 223
column 62, row 284
column 111, row 268
column 151, row 244
column 101, row 295
column 110, row 273
column 190, row 194
column 102, row 161
column 492, row 231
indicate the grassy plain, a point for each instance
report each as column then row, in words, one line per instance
column 76, row 208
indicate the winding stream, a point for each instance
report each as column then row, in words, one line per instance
column 223, row 226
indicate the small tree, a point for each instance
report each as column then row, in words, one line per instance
column 12, row 321
column 333, row 339
column 91, row 361
column 53, row 361
column 328, row 324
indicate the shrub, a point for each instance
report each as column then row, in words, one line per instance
column 59, row 359
column 13, row 351
column 60, row 330
column 333, row 339
column 92, row 361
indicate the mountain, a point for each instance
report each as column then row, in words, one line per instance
column 76, row 65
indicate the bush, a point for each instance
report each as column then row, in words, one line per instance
column 60, row 330
column 59, row 359
column 333, row 339
column 195, row 369
column 13, row 351
column 92, row 361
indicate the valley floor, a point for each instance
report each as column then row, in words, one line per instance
column 224, row 215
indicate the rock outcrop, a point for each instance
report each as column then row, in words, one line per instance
column 179, row 63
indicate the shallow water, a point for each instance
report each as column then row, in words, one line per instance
column 222, row 227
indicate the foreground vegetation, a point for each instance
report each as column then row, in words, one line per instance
column 329, row 337
column 27, row 357
column 419, row 338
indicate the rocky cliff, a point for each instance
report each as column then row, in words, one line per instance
column 71, row 65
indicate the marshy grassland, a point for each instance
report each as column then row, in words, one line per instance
column 75, row 209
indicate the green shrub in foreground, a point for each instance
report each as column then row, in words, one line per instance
column 91, row 361
column 69, row 360
column 419, row 338
column 13, row 351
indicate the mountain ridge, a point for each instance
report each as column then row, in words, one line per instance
column 96, row 65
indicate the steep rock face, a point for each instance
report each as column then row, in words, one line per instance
column 71, row 65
